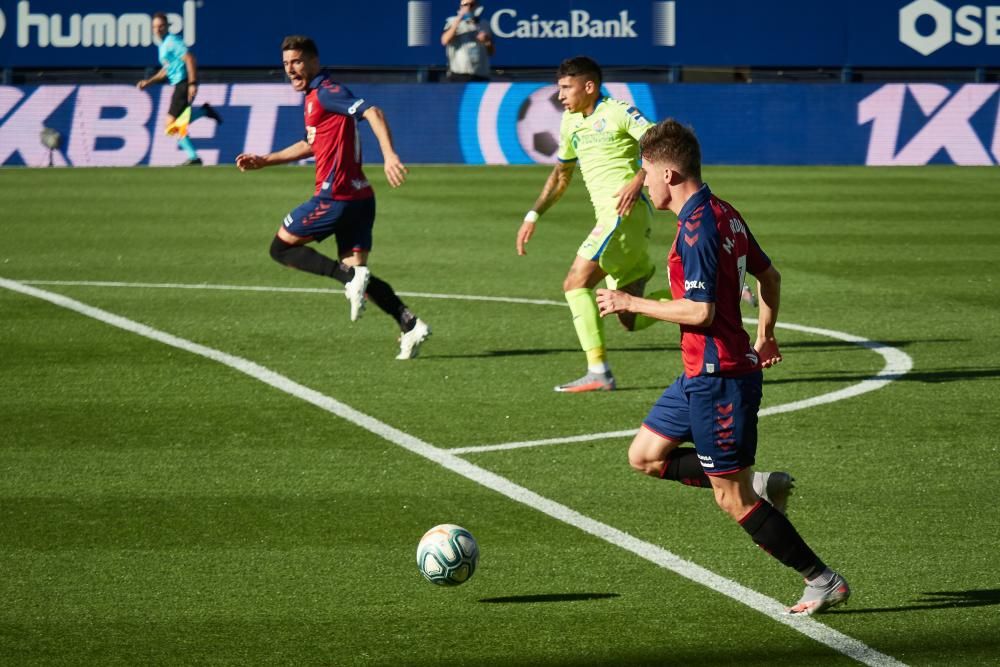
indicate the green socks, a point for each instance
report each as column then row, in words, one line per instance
column 587, row 321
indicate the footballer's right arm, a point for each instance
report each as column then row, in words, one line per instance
column 293, row 153
column 555, row 186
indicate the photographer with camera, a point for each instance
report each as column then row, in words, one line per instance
column 469, row 45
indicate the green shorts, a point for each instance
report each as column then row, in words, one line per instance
column 620, row 246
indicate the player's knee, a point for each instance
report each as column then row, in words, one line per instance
column 640, row 462
column 576, row 278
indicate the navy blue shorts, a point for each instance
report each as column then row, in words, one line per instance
column 718, row 414
column 351, row 222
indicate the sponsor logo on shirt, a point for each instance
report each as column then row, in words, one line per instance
column 636, row 116
column 593, row 138
column 694, row 284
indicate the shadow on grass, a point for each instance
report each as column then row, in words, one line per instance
column 938, row 600
column 549, row 597
column 930, row 376
column 835, row 344
column 539, row 352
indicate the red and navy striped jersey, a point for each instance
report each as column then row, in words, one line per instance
column 332, row 113
column 709, row 260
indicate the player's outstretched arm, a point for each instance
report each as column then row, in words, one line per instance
column 555, row 186
column 395, row 170
column 251, row 161
column 769, row 297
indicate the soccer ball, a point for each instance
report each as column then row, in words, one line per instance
column 447, row 555
column 538, row 122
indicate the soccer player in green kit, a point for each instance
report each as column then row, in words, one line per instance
column 603, row 134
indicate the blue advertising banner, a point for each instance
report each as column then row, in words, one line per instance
column 859, row 33
column 504, row 123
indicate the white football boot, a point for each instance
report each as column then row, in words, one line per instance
column 355, row 291
column 410, row 342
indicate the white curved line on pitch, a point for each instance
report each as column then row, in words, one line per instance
column 897, row 364
column 301, row 290
column 844, row 644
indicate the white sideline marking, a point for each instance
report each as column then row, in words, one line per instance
column 769, row 607
column 897, row 364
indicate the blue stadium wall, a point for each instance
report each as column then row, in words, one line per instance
column 504, row 123
column 528, row 33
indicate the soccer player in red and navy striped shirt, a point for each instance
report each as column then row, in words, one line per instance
column 714, row 402
column 343, row 203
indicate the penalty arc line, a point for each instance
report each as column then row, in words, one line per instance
column 897, row 364
column 769, row 607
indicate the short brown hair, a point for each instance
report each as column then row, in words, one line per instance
column 669, row 141
column 300, row 43
column 580, row 66
column 162, row 16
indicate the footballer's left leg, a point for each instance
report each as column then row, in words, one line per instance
column 354, row 242
column 313, row 220
column 292, row 251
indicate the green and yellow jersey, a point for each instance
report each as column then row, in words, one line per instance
column 607, row 145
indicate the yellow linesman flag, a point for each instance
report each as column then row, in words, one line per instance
column 180, row 126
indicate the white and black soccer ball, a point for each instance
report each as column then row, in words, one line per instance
column 447, row 555
column 538, row 122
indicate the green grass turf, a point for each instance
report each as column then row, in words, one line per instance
column 158, row 507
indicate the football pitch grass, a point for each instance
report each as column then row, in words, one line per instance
column 204, row 461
